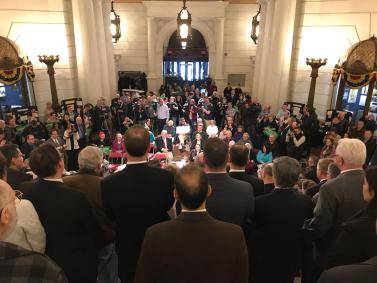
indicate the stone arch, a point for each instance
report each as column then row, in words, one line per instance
column 164, row 35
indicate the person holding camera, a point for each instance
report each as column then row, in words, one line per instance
column 295, row 143
column 71, row 137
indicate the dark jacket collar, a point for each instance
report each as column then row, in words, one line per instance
column 194, row 216
column 217, row 176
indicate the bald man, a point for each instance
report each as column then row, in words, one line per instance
column 16, row 263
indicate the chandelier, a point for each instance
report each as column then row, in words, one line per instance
column 255, row 26
column 184, row 26
column 114, row 24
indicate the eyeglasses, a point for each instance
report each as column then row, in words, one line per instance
column 18, row 199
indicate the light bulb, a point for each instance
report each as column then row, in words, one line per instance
column 183, row 31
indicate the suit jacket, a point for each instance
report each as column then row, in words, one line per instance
column 193, row 250
column 69, row 223
column 268, row 188
column 278, row 239
column 136, row 198
column 16, row 177
column 27, row 148
column 88, row 183
column 357, row 240
column 160, row 144
column 314, row 190
column 339, row 199
column 365, row 272
column 370, row 146
column 231, row 200
column 255, row 183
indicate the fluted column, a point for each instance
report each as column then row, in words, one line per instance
column 151, row 77
column 219, row 77
column 274, row 53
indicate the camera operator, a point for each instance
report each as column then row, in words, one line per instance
column 207, row 110
column 118, row 111
column 173, row 110
column 140, row 114
column 71, row 137
column 102, row 115
column 295, row 142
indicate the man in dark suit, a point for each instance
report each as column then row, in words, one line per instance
column 88, row 181
column 15, row 166
column 322, row 167
column 239, row 158
column 136, row 198
column 370, row 144
column 28, row 146
column 268, row 179
column 81, row 130
column 163, row 143
column 278, row 241
column 193, row 244
column 66, row 216
column 365, row 272
column 339, row 199
column 231, row 200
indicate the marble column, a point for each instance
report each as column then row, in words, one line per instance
column 94, row 51
column 152, row 76
column 274, row 52
column 219, row 75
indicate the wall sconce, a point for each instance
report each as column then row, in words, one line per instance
column 255, row 26
column 114, row 24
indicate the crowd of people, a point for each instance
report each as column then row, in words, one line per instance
column 209, row 187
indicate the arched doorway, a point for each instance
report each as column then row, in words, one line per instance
column 190, row 64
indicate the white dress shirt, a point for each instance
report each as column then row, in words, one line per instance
column 29, row 232
column 162, row 111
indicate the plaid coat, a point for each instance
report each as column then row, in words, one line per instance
column 21, row 266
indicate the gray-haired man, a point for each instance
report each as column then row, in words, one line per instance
column 88, row 181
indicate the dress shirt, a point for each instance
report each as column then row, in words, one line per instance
column 136, row 162
column 162, row 111
column 198, row 210
column 54, row 180
column 237, row 170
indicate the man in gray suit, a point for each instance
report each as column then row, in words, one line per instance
column 365, row 272
column 339, row 199
column 231, row 200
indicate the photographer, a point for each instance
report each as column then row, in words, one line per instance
column 139, row 112
column 102, row 115
column 71, row 138
column 295, row 143
column 118, row 110
column 173, row 110
column 207, row 110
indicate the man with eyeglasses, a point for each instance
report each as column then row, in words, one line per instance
column 15, row 165
column 18, row 264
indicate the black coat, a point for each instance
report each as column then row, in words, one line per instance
column 16, row 177
column 315, row 189
column 370, row 146
column 231, row 200
column 257, row 184
column 160, row 144
column 357, row 240
column 136, row 198
column 278, row 239
column 193, row 248
column 70, row 226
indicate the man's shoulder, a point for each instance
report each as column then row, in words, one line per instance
column 217, row 226
column 23, row 263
